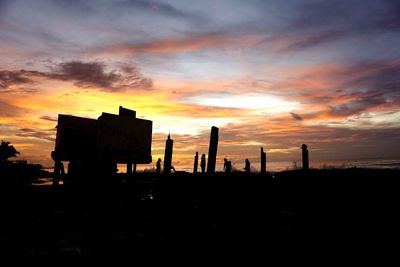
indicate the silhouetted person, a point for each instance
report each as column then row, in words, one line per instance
column 158, row 165
column 247, row 166
column 227, row 165
column 304, row 151
column 203, row 163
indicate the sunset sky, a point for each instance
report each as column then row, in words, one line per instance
column 268, row 73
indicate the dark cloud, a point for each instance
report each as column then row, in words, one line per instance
column 355, row 107
column 82, row 74
column 10, row 78
column 94, row 74
column 296, row 116
column 48, row 118
column 378, row 84
column 383, row 77
column 48, row 135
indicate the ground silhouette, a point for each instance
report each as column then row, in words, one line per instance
column 197, row 220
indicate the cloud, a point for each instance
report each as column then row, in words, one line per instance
column 308, row 24
column 296, row 116
column 378, row 76
column 356, row 15
column 309, row 40
column 355, row 107
column 339, row 91
column 155, row 6
column 48, row 135
column 48, row 118
column 83, row 75
column 374, row 84
column 189, row 43
column 94, row 75
column 11, row 78
column 9, row 110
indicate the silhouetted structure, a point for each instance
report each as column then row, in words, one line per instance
column 203, row 163
column 304, row 151
column 247, row 166
column 168, row 155
column 158, row 166
column 263, row 161
column 212, row 150
column 98, row 145
column 196, row 162
column 58, row 168
column 227, row 165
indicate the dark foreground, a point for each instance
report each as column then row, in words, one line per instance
column 201, row 220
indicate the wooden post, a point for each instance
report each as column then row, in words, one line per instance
column 212, row 150
column 196, row 162
column 263, row 161
column 168, row 155
column 304, row 153
column 129, row 168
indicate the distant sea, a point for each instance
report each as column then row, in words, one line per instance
column 339, row 164
column 278, row 166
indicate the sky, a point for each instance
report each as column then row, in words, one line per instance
column 269, row 73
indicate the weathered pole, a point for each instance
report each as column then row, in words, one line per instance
column 212, row 150
column 168, row 155
column 263, row 161
column 304, row 153
column 129, row 168
column 196, row 162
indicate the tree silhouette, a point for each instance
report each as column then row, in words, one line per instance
column 7, row 151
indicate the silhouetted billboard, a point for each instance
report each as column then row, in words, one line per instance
column 116, row 138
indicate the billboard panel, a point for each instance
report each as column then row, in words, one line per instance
column 124, row 139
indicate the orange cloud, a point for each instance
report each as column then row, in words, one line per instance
column 180, row 45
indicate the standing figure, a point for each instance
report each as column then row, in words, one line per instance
column 203, row 163
column 227, row 165
column 158, row 166
column 247, row 166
